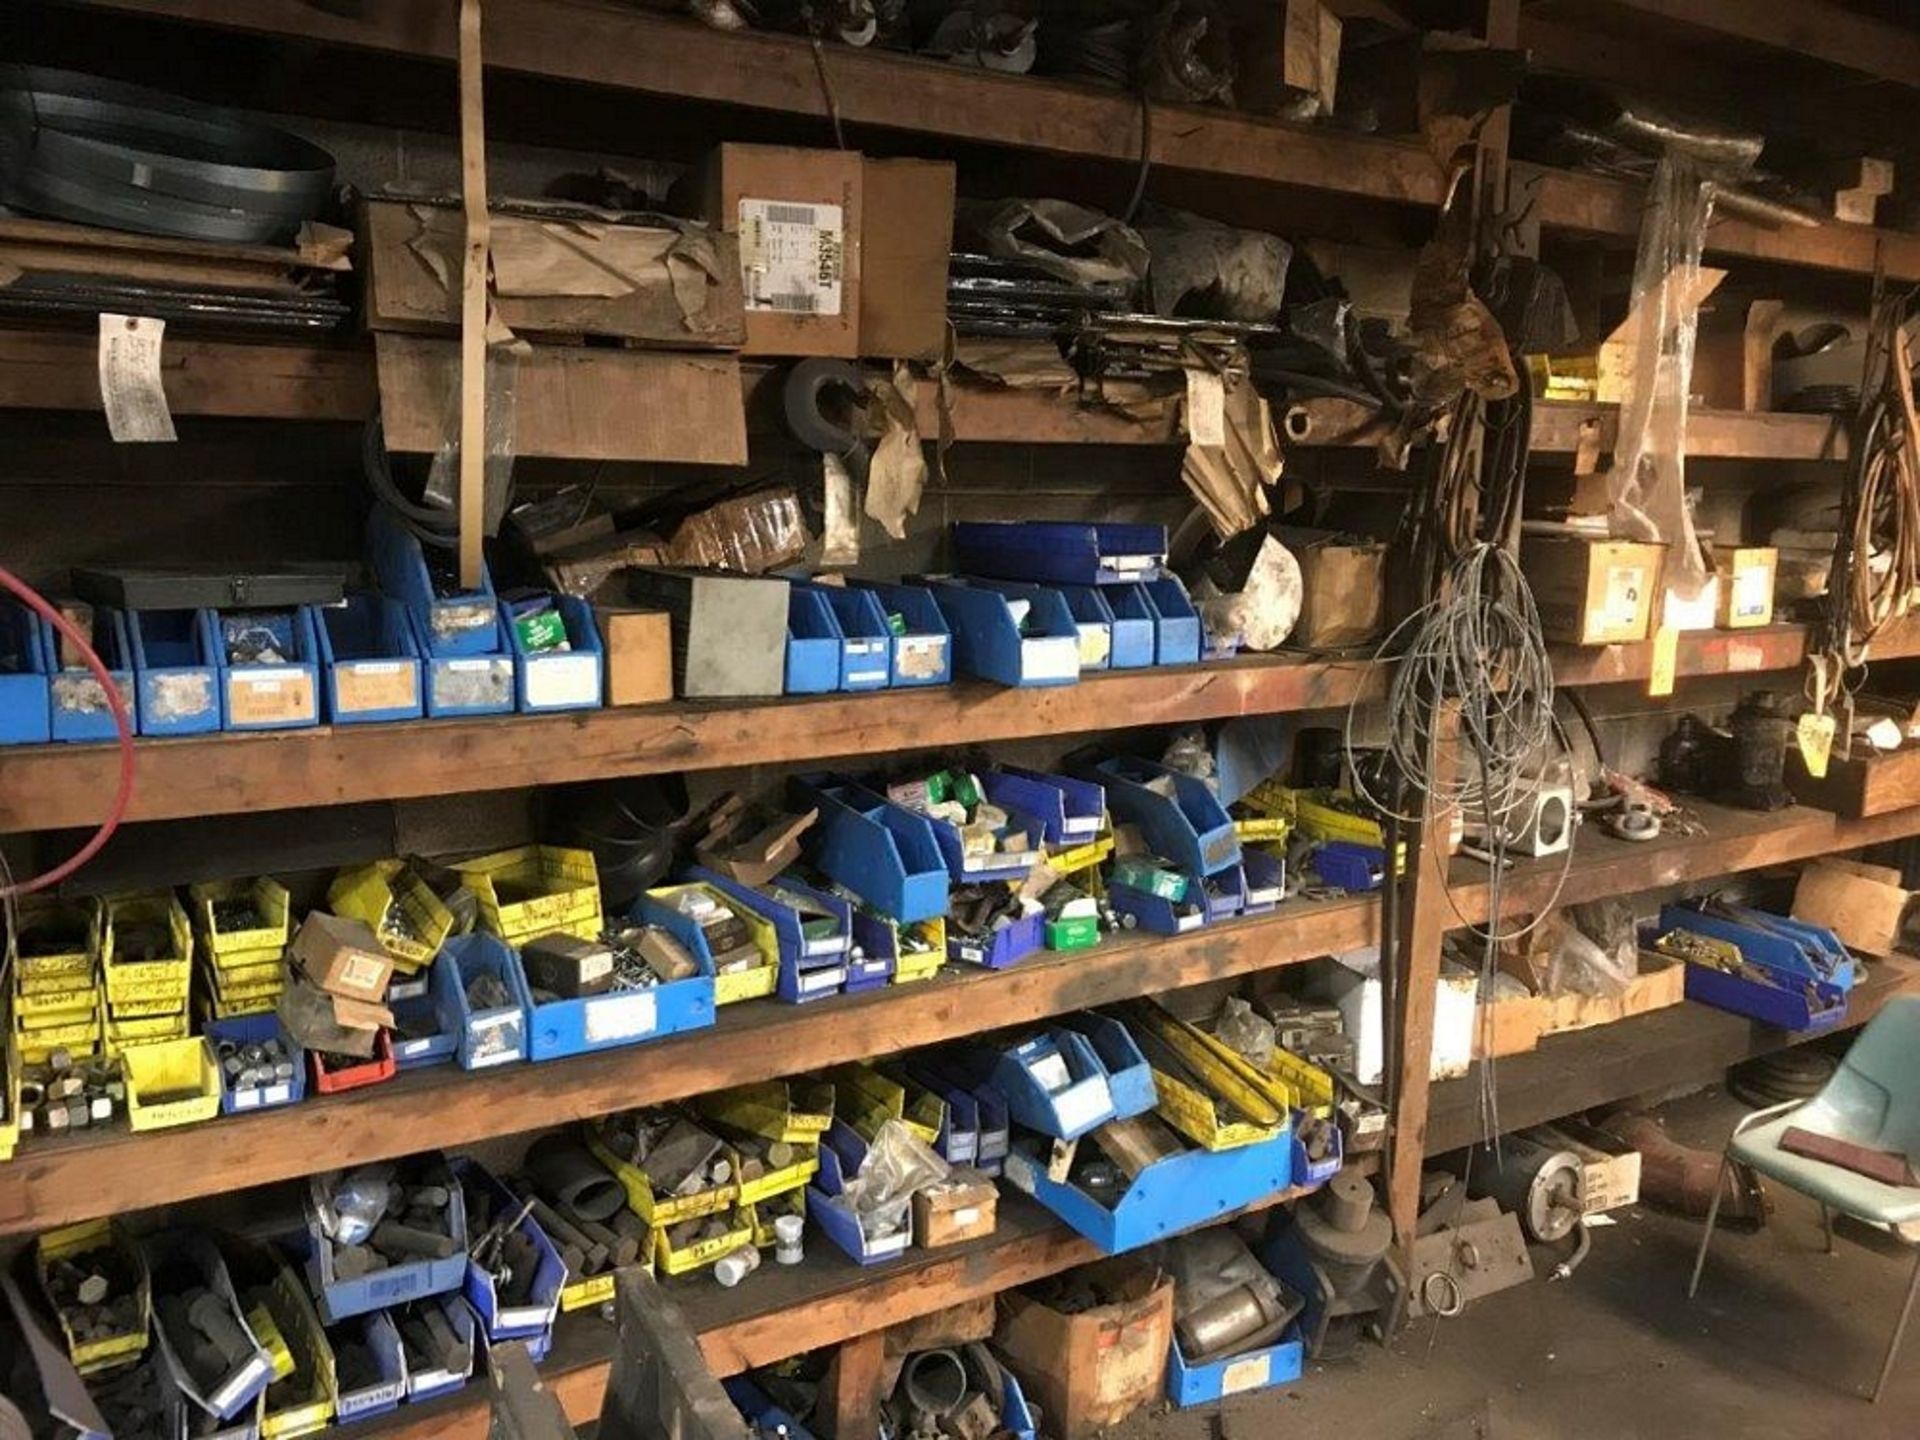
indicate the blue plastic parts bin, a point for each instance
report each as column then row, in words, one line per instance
column 866, row 644
column 997, row 865
column 256, row 1030
column 531, row 1322
column 1070, row 811
column 300, row 670
column 1060, row 552
column 466, row 622
column 1251, row 1370
column 1156, row 913
column 1008, row 945
column 376, row 1331
column 1189, row 828
column 1129, row 1076
column 841, row 1155
column 417, row 1052
column 988, row 642
column 1171, row 1195
column 1266, row 879
column 1347, row 865
column 1132, row 624
column 482, row 1038
column 1092, row 620
column 570, row 679
column 1178, row 633
column 1083, row 1104
column 25, row 692
column 559, row 1028
column 369, row 661
column 425, row 1385
column 882, row 852
column 176, row 671
column 923, row 652
column 341, row 1299
column 1779, row 942
column 79, row 706
column 813, row 643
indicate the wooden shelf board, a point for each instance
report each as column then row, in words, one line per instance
column 60, row 786
column 1564, row 200
column 597, row 43
column 1711, row 434
column 1686, row 1044
column 53, row 1182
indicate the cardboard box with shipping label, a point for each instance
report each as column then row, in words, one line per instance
column 964, row 1206
column 1593, row 592
column 639, row 645
column 797, row 215
column 1862, row 904
column 1093, row 1368
column 343, row 957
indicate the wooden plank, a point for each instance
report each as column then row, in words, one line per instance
column 473, row 303
column 283, row 380
column 851, row 1394
column 1711, row 434
column 1813, row 29
column 54, row 786
column 1597, row 205
column 599, row 43
column 1688, row 1044
column 107, row 1173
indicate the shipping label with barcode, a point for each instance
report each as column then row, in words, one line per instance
column 792, row 256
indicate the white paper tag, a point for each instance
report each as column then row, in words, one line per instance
column 1248, row 1374
column 1206, row 408
column 1052, row 1073
column 1082, row 1105
column 1020, row 1172
column 621, row 1017
column 563, row 680
column 130, row 385
column 1626, row 590
column 791, row 256
column 1051, row 658
column 966, row 1215
column 1752, row 593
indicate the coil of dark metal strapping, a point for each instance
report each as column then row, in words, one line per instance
column 98, row 152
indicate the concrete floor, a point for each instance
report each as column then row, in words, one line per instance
column 1783, row 1343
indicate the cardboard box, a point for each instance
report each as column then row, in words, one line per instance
column 1343, row 588
column 343, row 957
column 906, row 236
column 1746, row 586
column 674, row 284
column 961, row 1207
column 1862, row 904
column 729, row 631
column 798, row 216
column 1702, row 612
column 1092, row 1369
column 1612, row 1170
column 639, row 646
column 1593, row 592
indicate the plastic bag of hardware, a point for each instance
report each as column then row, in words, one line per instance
column 898, row 1163
column 351, row 1205
column 443, row 478
column 1079, row 245
column 1646, row 489
column 1595, row 950
column 1244, row 1032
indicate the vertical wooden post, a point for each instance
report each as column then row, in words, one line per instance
column 473, row 299
column 852, row 1391
column 1424, row 916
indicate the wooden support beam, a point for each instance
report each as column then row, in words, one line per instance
column 1816, row 29
column 473, row 300
column 851, row 1393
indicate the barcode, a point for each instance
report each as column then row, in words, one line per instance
column 807, row 303
column 790, row 214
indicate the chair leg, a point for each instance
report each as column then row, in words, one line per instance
column 1826, row 1222
column 1899, row 1331
column 1713, row 1214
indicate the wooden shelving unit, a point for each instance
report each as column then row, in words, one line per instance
column 106, row 1172
column 1645, row 1055
column 53, row 787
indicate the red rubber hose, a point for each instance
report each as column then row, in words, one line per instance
column 34, row 601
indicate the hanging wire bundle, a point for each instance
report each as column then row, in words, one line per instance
column 1877, row 553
